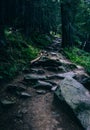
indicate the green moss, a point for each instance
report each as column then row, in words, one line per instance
column 79, row 56
column 17, row 54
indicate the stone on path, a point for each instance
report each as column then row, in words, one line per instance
column 74, row 95
column 45, row 61
column 25, row 95
column 38, row 71
column 68, row 74
column 41, row 91
column 33, row 77
column 43, row 85
column 55, row 69
column 54, row 88
column 51, row 82
column 62, row 76
column 13, row 88
column 68, row 64
column 7, row 103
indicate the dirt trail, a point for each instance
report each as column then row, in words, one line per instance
column 38, row 112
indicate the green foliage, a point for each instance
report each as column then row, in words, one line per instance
column 42, row 40
column 16, row 54
column 79, row 56
column 82, row 20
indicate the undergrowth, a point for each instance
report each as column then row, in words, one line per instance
column 15, row 54
column 79, row 56
column 42, row 40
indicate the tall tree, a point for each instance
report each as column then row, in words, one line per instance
column 68, row 12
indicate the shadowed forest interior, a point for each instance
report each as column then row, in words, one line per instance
column 27, row 23
column 44, row 48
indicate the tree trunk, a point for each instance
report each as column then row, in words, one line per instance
column 67, row 32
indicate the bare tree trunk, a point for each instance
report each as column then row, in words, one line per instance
column 67, row 32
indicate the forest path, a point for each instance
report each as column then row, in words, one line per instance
column 33, row 94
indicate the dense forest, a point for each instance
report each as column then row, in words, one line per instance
column 44, row 64
column 27, row 22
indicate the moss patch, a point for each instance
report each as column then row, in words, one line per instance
column 79, row 56
column 16, row 54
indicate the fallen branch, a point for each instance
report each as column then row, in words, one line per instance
column 35, row 60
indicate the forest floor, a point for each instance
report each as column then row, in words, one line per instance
column 29, row 106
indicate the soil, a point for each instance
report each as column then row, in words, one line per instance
column 39, row 112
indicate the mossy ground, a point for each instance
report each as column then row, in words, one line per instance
column 79, row 56
column 15, row 54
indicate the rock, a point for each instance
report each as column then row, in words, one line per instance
column 51, row 68
column 53, row 53
column 54, row 76
column 38, row 71
column 61, row 69
column 73, row 94
column 68, row 74
column 41, row 91
column 33, row 77
column 7, row 103
column 56, row 69
column 54, row 88
column 43, row 85
column 62, row 76
column 47, row 62
column 14, row 88
column 25, row 95
column 80, row 77
column 51, row 82
column 86, row 82
column 69, row 65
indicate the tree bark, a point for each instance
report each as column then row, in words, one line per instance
column 67, row 31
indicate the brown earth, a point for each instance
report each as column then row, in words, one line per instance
column 38, row 112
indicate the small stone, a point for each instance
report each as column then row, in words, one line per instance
column 54, row 88
column 43, row 85
column 25, row 95
column 53, row 54
column 51, row 82
column 41, row 91
column 33, row 77
column 7, row 103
